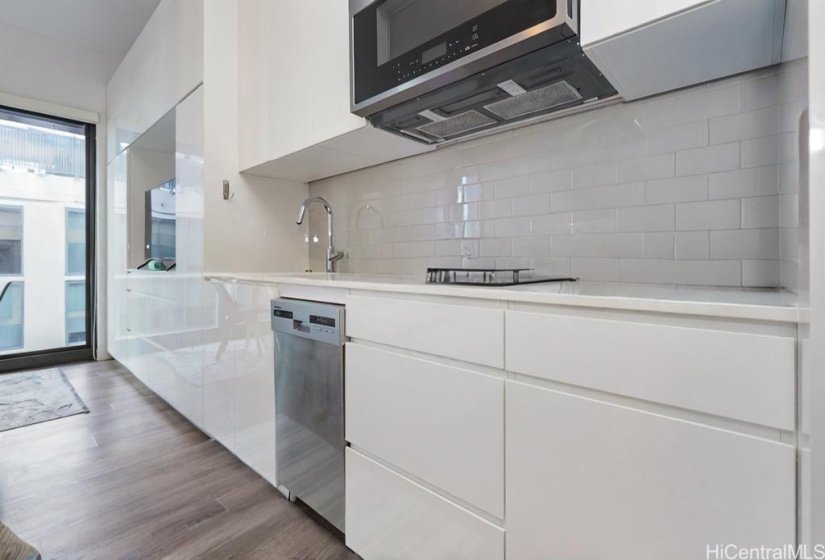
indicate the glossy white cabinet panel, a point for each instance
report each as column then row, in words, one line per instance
column 391, row 517
column 188, row 354
column 469, row 334
column 744, row 376
column 304, row 131
column 117, row 173
column 648, row 47
column 606, row 18
column 254, row 390
column 218, row 353
column 586, row 479
column 164, row 64
column 442, row 424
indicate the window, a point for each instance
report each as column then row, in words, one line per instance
column 11, row 316
column 11, row 240
column 75, row 312
column 75, row 242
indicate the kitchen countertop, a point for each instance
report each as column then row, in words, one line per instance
column 739, row 303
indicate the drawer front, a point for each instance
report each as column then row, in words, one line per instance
column 390, row 517
column 442, row 424
column 587, row 479
column 469, row 334
column 736, row 375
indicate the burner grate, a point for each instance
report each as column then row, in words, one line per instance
column 487, row 276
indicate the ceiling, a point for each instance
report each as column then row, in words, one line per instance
column 106, row 27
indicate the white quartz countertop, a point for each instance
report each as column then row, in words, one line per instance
column 755, row 304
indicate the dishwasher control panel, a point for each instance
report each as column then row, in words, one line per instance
column 323, row 322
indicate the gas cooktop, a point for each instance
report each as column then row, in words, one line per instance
column 488, row 277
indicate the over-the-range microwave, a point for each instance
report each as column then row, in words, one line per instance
column 434, row 70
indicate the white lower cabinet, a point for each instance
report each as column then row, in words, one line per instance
column 589, row 479
column 389, row 517
column 441, row 423
column 238, row 374
column 254, row 380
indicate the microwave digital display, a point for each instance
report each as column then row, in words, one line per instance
column 405, row 25
column 434, row 52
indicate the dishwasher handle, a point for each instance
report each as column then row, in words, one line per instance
column 300, row 326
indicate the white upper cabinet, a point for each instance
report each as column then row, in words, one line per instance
column 645, row 47
column 294, row 90
column 163, row 66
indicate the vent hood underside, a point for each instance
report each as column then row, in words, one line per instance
column 553, row 78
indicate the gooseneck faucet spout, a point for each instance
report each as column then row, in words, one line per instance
column 332, row 254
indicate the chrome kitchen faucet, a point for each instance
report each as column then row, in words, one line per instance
column 332, row 254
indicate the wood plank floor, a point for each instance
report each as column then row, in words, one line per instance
column 133, row 479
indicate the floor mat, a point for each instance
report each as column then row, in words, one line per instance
column 31, row 397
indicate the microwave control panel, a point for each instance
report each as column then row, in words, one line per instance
column 463, row 40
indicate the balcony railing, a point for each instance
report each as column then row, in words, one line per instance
column 40, row 151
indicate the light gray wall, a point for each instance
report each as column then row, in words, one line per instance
column 697, row 186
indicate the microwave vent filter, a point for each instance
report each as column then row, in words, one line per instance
column 555, row 94
column 457, row 125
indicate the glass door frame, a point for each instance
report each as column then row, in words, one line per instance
column 85, row 352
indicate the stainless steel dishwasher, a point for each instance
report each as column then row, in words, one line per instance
column 309, row 404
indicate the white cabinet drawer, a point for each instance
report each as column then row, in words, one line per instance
column 469, row 334
column 587, row 479
column 743, row 376
column 390, row 517
column 442, row 424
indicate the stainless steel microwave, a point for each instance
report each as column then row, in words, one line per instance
column 416, row 63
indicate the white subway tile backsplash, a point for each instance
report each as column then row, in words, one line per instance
column 647, row 116
column 760, row 151
column 514, row 167
column 566, row 201
column 551, row 223
column 761, row 274
column 619, row 196
column 647, row 218
column 699, row 273
column 511, row 227
column 756, row 181
column 531, row 205
column 531, row 246
column 551, row 266
column 594, row 221
column 760, row 93
column 647, row 167
column 515, row 186
column 491, row 209
column 448, row 248
column 744, row 244
column 693, row 245
column 496, row 247
column 659, row 246
column 596, row 175
column 679, row 137
column 754, row 124
column 596, row 270
column 789, row 210
column 701, row 105
column 620, row 245
column 708, row 160
column 576, row 245
column 698, row 186
column 551, row 181
column 716, row 214
column 678, row 189
column 760, row 212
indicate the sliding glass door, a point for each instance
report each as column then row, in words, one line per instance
column 46, row 239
